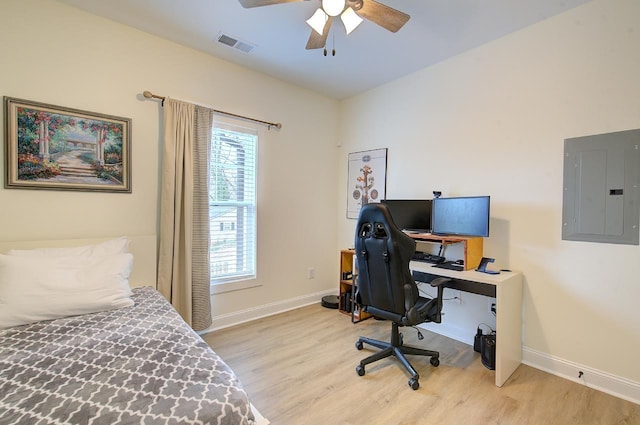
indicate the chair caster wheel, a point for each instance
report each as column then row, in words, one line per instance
column 359, row 345
column 435, row 362
column 360, row 370
column 414, row 384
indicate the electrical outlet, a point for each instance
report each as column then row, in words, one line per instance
column 311, row 273
column 457, row 296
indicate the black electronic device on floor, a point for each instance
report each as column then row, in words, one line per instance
column 486, row 346
column 330, row 301
column 488, row 353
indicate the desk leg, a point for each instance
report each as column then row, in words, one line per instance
column 508, row 329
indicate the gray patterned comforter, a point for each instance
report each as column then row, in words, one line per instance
column 134, row 365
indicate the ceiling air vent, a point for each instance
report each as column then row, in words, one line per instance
column 236, row 43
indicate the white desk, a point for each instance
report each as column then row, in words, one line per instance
column 507, row 289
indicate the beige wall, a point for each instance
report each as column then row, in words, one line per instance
column 56, row 54
column 493, row 121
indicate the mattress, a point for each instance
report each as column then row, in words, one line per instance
column 133, row 365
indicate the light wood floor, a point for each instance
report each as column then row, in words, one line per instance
column 299, row 368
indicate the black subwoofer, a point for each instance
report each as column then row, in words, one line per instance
column 488, row 351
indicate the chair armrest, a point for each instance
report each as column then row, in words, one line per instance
column 408, row 295
column 412, row 316
column 431, row 311
column 440, row 283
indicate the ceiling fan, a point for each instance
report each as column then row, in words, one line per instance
column 351, row 12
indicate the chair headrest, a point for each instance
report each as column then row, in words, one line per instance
column 376, row 219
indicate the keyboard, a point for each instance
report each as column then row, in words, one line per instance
column 427, row 258
column 450, row 265
column 415, row 231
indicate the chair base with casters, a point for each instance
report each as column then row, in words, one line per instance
column 395, row 348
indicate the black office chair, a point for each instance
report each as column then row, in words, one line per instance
column 386, row 289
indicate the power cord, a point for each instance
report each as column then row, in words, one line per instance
column 478, row 340
column 492, row 331
column 420, row 336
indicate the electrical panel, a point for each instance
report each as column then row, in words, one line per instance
column 600, row 191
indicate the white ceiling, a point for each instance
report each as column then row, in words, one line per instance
column 368, row 57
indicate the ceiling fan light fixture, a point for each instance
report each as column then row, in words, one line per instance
column 350, row 19
column 333, row 7
column 318, row 20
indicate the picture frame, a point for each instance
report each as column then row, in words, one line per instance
column 58, row 148
column 367, row 179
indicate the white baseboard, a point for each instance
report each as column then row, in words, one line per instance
column 260, row 420
column 619, row 387
column 226, row 320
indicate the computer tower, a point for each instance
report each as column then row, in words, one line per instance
column 488, row 351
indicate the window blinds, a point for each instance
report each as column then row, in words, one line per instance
column 232, row 194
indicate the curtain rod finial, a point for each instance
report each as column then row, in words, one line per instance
column 147, row 94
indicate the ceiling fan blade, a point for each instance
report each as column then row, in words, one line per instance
column 378, row 13
column 317, row 41
column 257, row 3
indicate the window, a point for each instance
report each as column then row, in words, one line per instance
column 232, row 203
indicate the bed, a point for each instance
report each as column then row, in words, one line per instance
column 135, row 364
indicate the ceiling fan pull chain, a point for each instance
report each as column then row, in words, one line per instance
column 333, row 51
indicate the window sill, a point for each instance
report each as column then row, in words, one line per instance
column 221, row 288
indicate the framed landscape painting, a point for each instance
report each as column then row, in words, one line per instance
column 58, row 148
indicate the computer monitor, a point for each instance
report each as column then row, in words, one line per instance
column 463, row 216
column 412, row 215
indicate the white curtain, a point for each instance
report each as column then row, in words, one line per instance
column 183, row 260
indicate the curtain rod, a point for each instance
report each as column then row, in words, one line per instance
column 277, row 125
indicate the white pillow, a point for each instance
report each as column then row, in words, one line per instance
column 110, row 247
column 39, row 288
